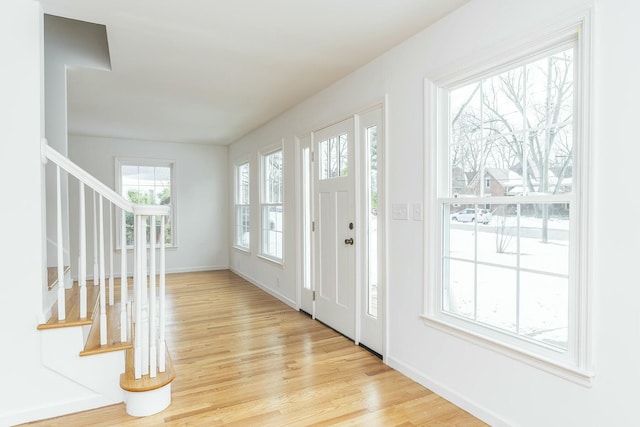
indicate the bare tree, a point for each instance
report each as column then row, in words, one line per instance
column 519, row 120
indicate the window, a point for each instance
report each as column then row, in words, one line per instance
column 272, row 197
column 242, row 234
column 148, row 182
column 334, row 157
column 508, row 264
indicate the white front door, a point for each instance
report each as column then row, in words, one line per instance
column 335, row 227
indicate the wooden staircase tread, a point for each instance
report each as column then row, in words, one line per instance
column 146, row 383
column 93, row 345
column 72, row 308
column 52, row 275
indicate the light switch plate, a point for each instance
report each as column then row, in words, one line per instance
column 400, row 211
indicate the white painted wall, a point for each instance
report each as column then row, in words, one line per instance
column 28, row 389
column 500, row 390
column 67, row 43
column 202, row 194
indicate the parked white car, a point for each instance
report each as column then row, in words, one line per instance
column 469, row 215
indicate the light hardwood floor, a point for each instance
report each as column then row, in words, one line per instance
column 244, row 358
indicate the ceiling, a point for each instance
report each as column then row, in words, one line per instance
column 210, row 71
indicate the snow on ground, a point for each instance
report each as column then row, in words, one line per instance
column 542, row 311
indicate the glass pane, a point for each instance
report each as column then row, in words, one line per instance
column 323, row 147
column 561, row 160
column 544, row 237
column 498, row 240
column 129, row 177
column 242, row 195
column 503, row 102
column 272, row 231
column 333, row 157
column 242, row 226
column 497, row 297
column 372, row 205
column 163, row 195
column 146, row 175
column 544, row 308
column 464, row 110
column 461, row 238
column 459, row 290
column 549, row 166
column 344, row 155
column 273, row 177
column 550, row 90
column 162, row 175
column 306, row 206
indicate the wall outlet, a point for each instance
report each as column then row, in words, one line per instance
column 417, row 211
column 400, row 211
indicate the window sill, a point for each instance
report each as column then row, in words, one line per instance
column 271, row 260
column 574, row 374
column 240, row 249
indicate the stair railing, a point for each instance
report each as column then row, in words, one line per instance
column 148, row 299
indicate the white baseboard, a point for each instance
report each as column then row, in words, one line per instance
column 194, row 269
column 452, row 396
column 291, row 303
column 117, row 275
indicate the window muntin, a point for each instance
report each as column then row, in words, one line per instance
column 148, row 182
column 242, row 206
column 272, row 205
column 510, row 150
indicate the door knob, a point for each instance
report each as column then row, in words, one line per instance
column 348, row 241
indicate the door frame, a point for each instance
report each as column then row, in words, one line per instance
column 307, row 137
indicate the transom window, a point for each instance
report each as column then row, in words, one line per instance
column 507, row 254
column 243, row 208
column 272, row 204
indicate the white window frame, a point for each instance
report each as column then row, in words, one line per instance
column 263, row 203
column 238, row 205
column 575, row 363
column 137, row 161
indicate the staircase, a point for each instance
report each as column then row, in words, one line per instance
column 107, row 333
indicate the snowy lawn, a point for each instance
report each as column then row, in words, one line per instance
column 524, row 290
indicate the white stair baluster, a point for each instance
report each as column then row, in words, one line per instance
column 152, row 298
column 60, row 248
column 137, row 354
column 96, row 276
column 82, row 263
column 145, row 301
column 123, row 277
column 161, row 308
column 103, row 301
column 111, row 249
